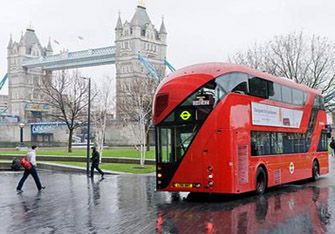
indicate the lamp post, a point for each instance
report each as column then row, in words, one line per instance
column 88, row 126
column 21, row 126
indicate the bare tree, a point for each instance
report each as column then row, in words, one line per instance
column 67, row 95
column 136, row 106
column 102, row 111
column 308, row 60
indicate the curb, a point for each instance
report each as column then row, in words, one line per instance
column 41, row 158
column 5, row 165
column 72, row 169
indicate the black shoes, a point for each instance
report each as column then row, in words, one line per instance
column 19, row 191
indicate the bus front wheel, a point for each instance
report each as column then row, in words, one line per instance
column 315, row 170
column 261, row 181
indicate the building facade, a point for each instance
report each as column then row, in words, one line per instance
column 24, row 98
column 134, row 37
column 26, row 101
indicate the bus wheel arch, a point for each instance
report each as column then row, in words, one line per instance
column 261, row 179
column 315, row 169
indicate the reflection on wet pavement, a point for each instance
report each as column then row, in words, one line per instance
column 129, row 204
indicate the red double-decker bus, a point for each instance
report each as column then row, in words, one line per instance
column 223, row 128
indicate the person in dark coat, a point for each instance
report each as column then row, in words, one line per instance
column 95, row 160
column 332, row 147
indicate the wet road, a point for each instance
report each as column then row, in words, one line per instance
column 129, row 204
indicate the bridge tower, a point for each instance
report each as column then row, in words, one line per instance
column 137, row 36
column 24, row 98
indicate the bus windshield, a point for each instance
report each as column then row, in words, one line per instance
column 176, row 132
column 174, row 141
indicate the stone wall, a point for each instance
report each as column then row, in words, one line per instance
column 122, row 134
column 10, row 132
column 117, row 134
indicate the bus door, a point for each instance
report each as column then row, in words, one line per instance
column 295, row 162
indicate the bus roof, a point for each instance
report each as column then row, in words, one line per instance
column 217, row 69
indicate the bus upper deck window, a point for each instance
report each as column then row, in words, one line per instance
column 258, row 87
column 241, row 88
column 233, row 82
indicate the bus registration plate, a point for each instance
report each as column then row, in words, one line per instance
column 183, row 185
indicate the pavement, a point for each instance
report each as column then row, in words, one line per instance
column 73, row 203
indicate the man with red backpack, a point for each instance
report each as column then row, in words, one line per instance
column 31, row 158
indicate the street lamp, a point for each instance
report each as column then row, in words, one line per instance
column 21, row 126
column 88, row 126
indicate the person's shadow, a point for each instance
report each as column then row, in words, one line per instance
column 29, row 205
column 96, row 191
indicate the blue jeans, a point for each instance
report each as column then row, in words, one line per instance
column 34, row 174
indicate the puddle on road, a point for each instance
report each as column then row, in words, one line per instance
column 129, row 204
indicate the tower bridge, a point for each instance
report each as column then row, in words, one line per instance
column 29, row 61
column 68, row 60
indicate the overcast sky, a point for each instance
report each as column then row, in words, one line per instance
column 198, row 31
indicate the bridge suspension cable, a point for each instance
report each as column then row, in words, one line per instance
column 172, row 69
column 3, row 81
column 151, row 68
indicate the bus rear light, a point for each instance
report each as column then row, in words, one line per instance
column 161, row 103
column 210, row 176
column 210, row 168
column 210, row 183
column 197, row 185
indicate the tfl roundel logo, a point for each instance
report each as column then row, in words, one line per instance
column 185, row 115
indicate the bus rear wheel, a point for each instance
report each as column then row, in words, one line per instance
column 315, row 170
column 261, row 181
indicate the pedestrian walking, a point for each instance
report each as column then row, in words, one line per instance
column 95, row 159
column 332, row 147
column 31, row 157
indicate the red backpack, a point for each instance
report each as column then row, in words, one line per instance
column 25, row 163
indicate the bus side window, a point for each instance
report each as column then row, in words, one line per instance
column 298, row 97
column 260, row 143
column 258, row 87
column 287, row 94
column 254, row 150
column 274, row 91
